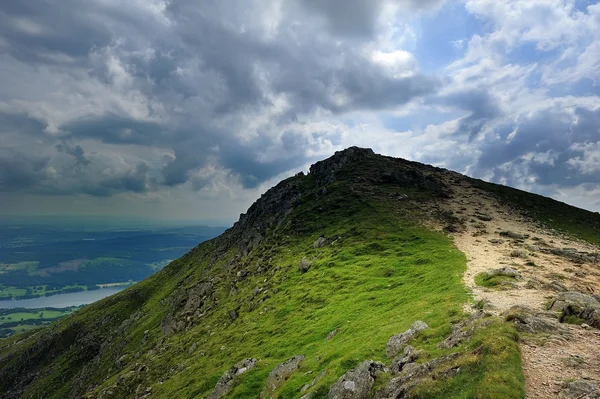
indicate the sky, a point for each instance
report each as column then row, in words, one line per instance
column 189, row 110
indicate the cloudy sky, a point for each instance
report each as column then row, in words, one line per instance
column 185, row 109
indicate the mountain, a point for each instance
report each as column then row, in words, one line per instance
column 370, row 277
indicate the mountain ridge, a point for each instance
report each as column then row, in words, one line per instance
column 328, row 267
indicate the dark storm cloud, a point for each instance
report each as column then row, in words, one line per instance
column 114, row 129
column 75, row 151
column 481, row 105
column 187, row 79
column 21, row 172
column 357, row 17
column 542, row 147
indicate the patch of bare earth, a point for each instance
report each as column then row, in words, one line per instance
column 549, row 361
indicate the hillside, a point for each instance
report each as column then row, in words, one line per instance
column 370, row 277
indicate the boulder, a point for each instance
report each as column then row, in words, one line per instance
column 280, row 374
column 304, row 265
column 463, row 330
column 320, row 242
column 357, row 383
column 527, row 321
column 409, row 356
column 580, row 389
column 518, row 253
column 512, row 234
column 397, row 342
column 579, row 305
column 504, row 271
column 414, row 374
column 225, row 383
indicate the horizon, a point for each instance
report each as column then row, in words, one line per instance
column 165, row 110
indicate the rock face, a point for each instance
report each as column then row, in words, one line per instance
column 357, row 383
column 463, row 330
column 580, row 389
column 413, row 374
column 280, row 374
column 397, row 342
column 576, row 304
column 409, row 356
column 225, row 383
column 527, row 321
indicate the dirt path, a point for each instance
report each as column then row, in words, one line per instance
column 549, row 361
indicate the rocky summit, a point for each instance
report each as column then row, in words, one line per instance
column 368, row 277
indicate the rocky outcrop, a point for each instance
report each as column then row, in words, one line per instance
column 414, row 374
column 580, row 389
column 186, row 306
column 464, row 330
column 226, row 381
column 357, row 383
column 577, row 305
column 397, row 342
column 505, row 272
column 526, row 320
column 409, row 355
column 280, row 374
column 304, row 265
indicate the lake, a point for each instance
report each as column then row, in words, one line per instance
column 61, row 300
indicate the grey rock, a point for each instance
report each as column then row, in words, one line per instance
column 320, row 242
column 304, row 265
column 527, row 321
column 233, row 315
column 413, row 374
column 463, row 330
column 518, row 253
column 332, row 334
column 504, row 271
column 280, row 374
column 512, row 234
column 357, row 383
column 225, row 383
column 409, row 356
column 580, row 389
column 397, row 342
column 556, row 286
column 577, row 304
column 314, row 381
column 496, row 241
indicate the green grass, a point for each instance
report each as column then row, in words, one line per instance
column 7, row 292
column 490, row 368
column 20, row 320
column 567, row 219
column 38, row 290
column 383, row 272
column 485, row 280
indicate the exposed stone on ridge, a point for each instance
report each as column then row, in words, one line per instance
column 225, row 383
column 357, row 383
column 280, row 374
column 397, row 342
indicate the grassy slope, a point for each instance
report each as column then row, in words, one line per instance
column 577, row 222
column 383, row 272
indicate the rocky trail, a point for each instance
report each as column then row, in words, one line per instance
column 543, row 278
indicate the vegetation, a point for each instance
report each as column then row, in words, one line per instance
column 492, row 281
column 19, row 320
column 67, row 260
column 377, row 271
column 567, row 219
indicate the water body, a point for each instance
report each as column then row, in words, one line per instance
column 61, row 300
